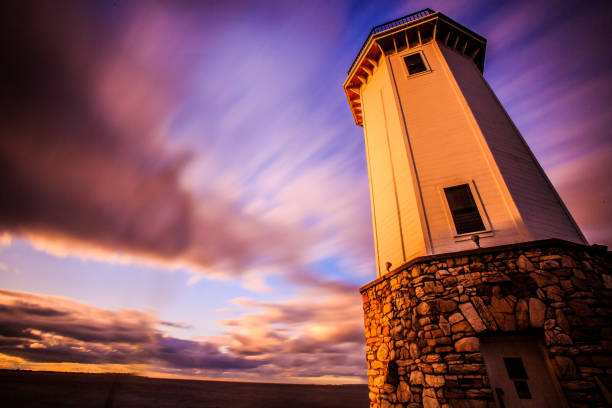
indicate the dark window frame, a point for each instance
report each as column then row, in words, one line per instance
column 415, row 67
column 464, row 211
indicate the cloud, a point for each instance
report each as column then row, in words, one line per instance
column 105, row 156
column 133, row 147
column 590, row 201
column 557, row 91
column 88, row 166
column 189, row 354
column 176, row 325
column 279, row 342
column 50, row 329
column 313, row 334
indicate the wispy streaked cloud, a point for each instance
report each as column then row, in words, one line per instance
column 132, row 164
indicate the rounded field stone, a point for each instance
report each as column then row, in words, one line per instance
column 467, row 345
column 423, row 308
column 382, row 353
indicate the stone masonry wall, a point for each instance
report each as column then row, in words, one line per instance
column 423, row 322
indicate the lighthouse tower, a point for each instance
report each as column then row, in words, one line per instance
column 473, row 244
column 446, row 163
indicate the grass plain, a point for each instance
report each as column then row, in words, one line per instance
column 37, row 389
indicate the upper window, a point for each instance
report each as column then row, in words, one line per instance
column 463, row 209
column 415, row 64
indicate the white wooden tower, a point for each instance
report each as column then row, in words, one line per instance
column 446, row 163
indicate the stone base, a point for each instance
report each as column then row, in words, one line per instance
column 424, row 322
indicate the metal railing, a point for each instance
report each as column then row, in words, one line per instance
column 393, row 23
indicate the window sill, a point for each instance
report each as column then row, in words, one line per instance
column 468, row 235
column 418, row 74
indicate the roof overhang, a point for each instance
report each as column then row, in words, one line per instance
column 404, row 33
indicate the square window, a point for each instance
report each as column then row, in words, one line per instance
column 415, row 64
column 463, row 209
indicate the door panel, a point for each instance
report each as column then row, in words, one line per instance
column 518, row 373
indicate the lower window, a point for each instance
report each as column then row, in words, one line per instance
column 463, row 208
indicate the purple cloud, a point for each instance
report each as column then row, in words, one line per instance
column 49, row 329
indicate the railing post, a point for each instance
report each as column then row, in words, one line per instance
column 390, row 24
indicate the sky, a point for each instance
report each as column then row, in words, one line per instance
column 184, row 191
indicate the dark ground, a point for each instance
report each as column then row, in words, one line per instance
column 48, row 389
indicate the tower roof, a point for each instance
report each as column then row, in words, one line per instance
column 403, row 33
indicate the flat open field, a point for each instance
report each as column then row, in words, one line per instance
column 47, row 389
